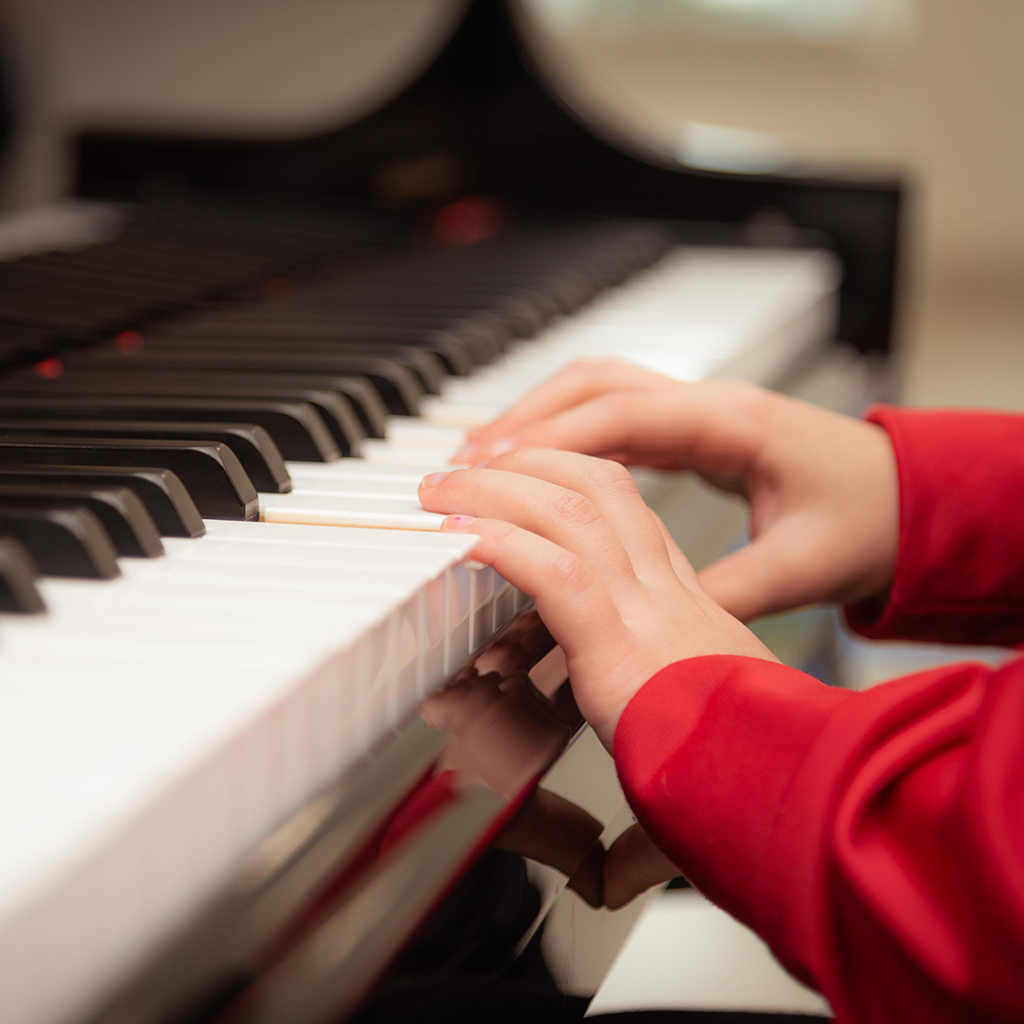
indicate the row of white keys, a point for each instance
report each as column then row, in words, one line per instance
column 152, row 728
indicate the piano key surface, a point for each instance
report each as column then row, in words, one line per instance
column 155, row 692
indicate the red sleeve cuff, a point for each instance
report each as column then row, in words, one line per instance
column 707, row 753
column 959, row 574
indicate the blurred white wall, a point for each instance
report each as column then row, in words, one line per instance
column 946, row 106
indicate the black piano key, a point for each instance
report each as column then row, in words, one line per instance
column 524, row 315
column 395, row 384
column 481, row 338
column 19, row 345
column 251, row 444
column 18, row 574
column 160, row 491
column 82, row 292
column 350, row 407
column 62, row 541
column 128, row 524
column 296, row 428
column 210, row 471
column 427, row 366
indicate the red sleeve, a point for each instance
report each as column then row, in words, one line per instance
column 875, row 840
column 959, row 574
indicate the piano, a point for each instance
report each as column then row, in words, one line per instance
column 271, row 747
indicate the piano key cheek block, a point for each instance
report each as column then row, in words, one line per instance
column 272, row 748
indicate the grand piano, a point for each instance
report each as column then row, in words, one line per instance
column 273, row 749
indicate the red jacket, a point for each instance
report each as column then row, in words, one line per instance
column 875, row 839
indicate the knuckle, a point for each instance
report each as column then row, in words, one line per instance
column 519, row 456
column 574, row 509
column 597, row 370
column 750, row 398
column 501, row 531
column 611, row 478
column 568, row 572
column 618, row 405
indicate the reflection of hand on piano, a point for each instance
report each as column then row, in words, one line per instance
column 822, row 487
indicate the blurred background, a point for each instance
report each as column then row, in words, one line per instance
column 931, row 89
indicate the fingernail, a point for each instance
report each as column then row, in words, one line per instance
column 499, row 447
column 467, row 453
column 433, row 479
column 457, row 522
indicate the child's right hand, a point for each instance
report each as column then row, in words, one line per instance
column 822, row 488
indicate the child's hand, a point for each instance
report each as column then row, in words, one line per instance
column 822, row 488
column 573, row 532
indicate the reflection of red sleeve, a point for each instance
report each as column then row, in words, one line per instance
column 875, row 840
column 960, row 567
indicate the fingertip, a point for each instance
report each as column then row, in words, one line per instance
column 499, row 447
column 451, row 523
column 466, row 455
column 432, row 480
column 474, row 453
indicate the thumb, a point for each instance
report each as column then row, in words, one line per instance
column 764, row 577
column 680, row 563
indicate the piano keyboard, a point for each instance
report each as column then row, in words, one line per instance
column 212, row 652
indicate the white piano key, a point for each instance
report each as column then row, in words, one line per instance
column 343, row 556
column 389, row 453
column 358, row 469
column 482, row 604
column 406, row 430
column 328, row 510
column 444, row 411
column 441, row 545
column 370, row 488
column 460, row 593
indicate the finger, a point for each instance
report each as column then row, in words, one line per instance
column 571, row 386
column 569, row 598
column 680, row 563
column 632, row 865
column 614, row 494
column 563, row 516
column 595, row 426
column 702, row 427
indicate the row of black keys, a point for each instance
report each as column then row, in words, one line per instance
column 163, row 261
column 219, row 400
